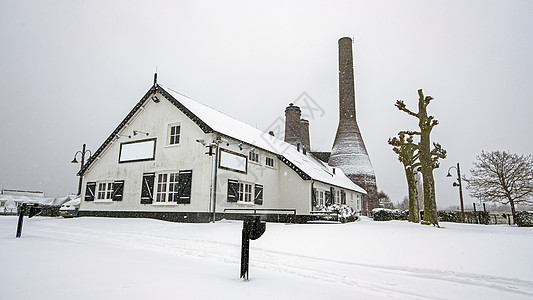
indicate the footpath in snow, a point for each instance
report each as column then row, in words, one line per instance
column 105, row 258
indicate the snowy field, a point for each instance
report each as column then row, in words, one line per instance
column 104, row 258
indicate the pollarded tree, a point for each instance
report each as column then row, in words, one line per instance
column 502, row 177
column 408, row 155
column 428, row 157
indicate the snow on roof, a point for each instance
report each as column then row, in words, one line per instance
column 17, row 196
column 241, row 131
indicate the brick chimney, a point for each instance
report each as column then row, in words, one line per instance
column 304, row 134
column 349, row 152
column 292, row 124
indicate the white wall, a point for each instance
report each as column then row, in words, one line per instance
column 282, row 187
column 189, row 154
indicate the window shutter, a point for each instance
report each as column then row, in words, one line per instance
column 233, row 190
column 332, row 192
column 258, row 199
column 328, row 198
column 184, row 187
column 118, row 188
column 147, row 188
column 343, row 197
column 89, row 191
column 313, row 197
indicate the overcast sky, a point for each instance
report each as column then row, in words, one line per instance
column 70, row 71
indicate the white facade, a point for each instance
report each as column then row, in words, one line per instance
column 156, row 162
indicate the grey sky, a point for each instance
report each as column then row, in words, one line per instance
column 71, row 70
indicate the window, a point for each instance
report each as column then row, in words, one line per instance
column 269, row 162
column 105, row 191
column 245, row 192
column 174, row 187
column 253, row 156
column 242, row 191
column 174, row 134
column 320, row 197
column 161, row 193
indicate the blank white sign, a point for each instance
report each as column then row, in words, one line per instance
column 232, row 161
column 143, row 150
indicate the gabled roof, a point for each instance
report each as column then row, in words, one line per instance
column 210, row 120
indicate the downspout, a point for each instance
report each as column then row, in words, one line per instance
column 215, row 183
column 312, row 193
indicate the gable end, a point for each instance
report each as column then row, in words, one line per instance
column 205, row 128
column 116, row 131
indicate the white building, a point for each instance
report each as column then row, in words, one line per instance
column 157, row 164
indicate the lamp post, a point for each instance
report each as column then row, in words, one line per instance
column 460, row 185
column 74, row 161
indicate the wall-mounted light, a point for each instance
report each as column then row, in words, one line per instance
column 240, row 146
column 155, row 99
column 136, row 132
column 118, row 136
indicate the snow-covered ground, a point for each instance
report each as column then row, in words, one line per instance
column 104, row 258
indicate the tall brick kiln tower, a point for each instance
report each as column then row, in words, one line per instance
column 349, row 151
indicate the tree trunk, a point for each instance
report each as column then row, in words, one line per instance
column 414, row 209
column 430, row 203
column 513, row 211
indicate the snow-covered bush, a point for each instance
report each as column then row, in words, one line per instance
column 383, row 214
column 344, row 213
column 524, row 219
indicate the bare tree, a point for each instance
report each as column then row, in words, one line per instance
column 408, row 155
column 502, row 177
column 404, row 205
column 428, row 157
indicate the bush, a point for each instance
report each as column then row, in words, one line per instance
column 449, row 216
column 524, row 219
column 382, row 214
column 341, row 213
column 478, row 217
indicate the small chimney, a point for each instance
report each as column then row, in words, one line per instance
column 304, row 133
column 292, row 124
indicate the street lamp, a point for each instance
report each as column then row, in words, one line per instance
column 74, row 161
column 460, row 185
